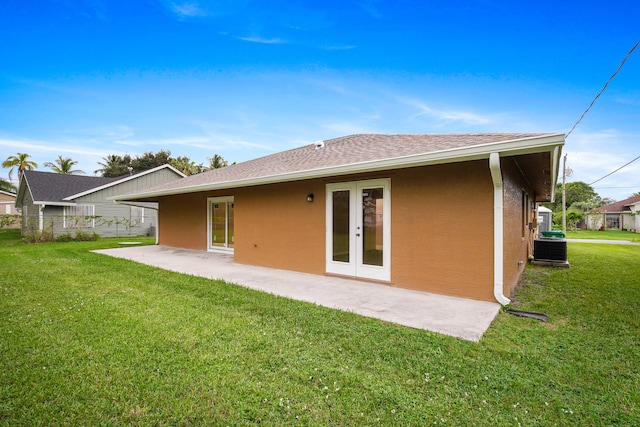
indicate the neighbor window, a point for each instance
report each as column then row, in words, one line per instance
column 137, row 215
column 79, row 216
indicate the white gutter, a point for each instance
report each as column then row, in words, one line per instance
column 477, row 152
column 498, row 229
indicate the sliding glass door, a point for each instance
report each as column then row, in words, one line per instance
column 220, row 224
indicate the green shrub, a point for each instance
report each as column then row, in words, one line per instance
column 66, row 237
column 38, row 236
column 85, row 236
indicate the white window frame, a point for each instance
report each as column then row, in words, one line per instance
column 210, row 202
column 82, row 211
column 355, row 267
column 136, row 213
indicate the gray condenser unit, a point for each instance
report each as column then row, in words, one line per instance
column 554, row 250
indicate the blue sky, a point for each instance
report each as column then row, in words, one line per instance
column 244, row 79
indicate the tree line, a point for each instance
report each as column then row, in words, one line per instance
column 112, row 165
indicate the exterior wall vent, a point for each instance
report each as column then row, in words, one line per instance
column 319, row 145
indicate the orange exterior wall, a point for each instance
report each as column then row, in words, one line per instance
column 441, row 226
column 518, row 239
column 442, row 229
column 182, row 221
column 276, row 227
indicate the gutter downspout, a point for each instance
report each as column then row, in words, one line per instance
column 41, row 218
column 498, row 229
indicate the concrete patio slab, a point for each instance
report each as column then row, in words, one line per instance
column 458, row 317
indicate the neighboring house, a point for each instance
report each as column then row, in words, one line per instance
column 63, row 203
column 622, row 215
column 449, row 214
column 7, row 206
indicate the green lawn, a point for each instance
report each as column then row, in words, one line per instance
column 86, row 339
column 604, row 235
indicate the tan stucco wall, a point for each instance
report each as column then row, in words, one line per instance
column 276, row 226
column 518, row 239
column 182, row 221
column 441, row 232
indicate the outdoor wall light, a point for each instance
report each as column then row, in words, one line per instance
column 310, row 197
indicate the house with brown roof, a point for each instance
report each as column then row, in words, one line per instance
column 59, row 204
column 622, row 215
column 452, row 214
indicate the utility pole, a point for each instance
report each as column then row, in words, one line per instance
column 564, row 196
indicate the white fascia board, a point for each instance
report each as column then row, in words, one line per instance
column 125, row 179
column 505, row 148
column 43, row 204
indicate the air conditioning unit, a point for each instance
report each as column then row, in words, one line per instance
column 551, row 250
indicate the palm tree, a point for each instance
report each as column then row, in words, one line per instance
column 114, row 166
column 21, row 162
column 186, row 165
column 64, row 165
column 217, row 162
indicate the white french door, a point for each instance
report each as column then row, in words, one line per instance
column 358, row 227
column 221, row 234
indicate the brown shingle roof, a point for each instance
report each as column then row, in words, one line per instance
column 340, row 152
column 621, row 206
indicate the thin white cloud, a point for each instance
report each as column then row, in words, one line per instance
column 185, row 9
column 258, row 39
column 446, row 116
column 195, row 142
column 592, row 155
column 39, row 146
column 341, row 128
column 338, row 47
column 369, row 7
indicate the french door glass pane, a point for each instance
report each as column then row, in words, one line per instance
column 372, row 236
column 230, row 234
column 218, row 222
column 341, row 225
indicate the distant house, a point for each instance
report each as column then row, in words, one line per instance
column 450, row 214
column 7, row 206
column 622, row 215
column 62, row 203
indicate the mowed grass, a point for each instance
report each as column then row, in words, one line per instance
column 603, row 235
column 86, row 339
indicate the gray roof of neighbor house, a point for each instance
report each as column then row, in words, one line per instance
column 57, row 188
column 363, row 153
column 54, row 187
column 621, row 206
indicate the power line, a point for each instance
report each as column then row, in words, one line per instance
column 609, row 188
column 611, row 173
column 603, row 88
